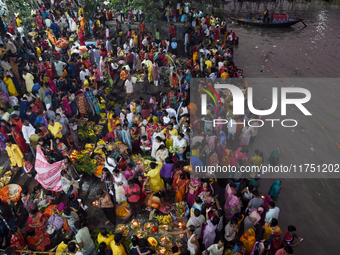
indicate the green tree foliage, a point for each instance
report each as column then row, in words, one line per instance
column 152, row 9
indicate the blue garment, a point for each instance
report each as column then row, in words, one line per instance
column 23, row 106
column 127, row 138
column 71, row 70
column 4, row 88
column 195, row 161
column 117, row 111
column 31, row 118
column 55, row 29
column 188, row 77
column 183, row 17
column 36, row 87
column 158, row 115
column 45, row 14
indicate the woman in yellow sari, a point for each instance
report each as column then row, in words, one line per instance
column 111, row 121
column 181, row 185
column 10, row 85
column 268, row 229
column 248, row 239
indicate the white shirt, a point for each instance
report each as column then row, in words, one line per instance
column 180, row 143
column 166, row 120
column 145, row 41
column 126, row 47
column 178, row 6
column 272, row 214
column 48, row 22
column 214, row 250
column 112, row 165
column 59, row 67
column 129, row 86
column 186, row 38
column 130, row 117
column 171, row 112
column 27, row 131
column 227, row 230
column 82, row 74
column 207, row 32
column 232, row 126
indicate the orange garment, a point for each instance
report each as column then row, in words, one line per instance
column 123, row 75
column 82, row 23
column 151, row 203
column 224, row 75
column 180, row 187
column 44, row 238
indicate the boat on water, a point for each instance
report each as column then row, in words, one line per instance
column 276, row 20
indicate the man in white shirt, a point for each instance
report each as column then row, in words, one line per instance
column 48, row 22
column 186, row 41
column 273, row 212
column 27, row 131
column 126, row 47
column 172, row 112
column 84, row 72
column 216, row 248
column 128, row 88
column 59, row 67
column 230, row 230
column 181, row 145
column 4, row 115
column 231, row 129
column 130, row 117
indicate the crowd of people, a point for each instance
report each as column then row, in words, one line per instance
column 47, row 91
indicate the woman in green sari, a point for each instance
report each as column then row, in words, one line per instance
column 275, row 189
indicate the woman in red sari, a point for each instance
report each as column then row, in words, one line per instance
column 17, row 240
column 151, row 128
column 38, row 240
column 49, row 69
column 19, row 140
column 36, row 220
column 81, row 37
column 39, row 21
column 135, row 136
column 180, row 185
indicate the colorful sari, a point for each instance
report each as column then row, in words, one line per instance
column 248, row 239
column 232, row 204
column 150, row 202
column 48, row 175
column 18, row 242
column 194, row 190
column 81, row 104
column 20, row 141
column 50, row 70
column 135, row 138
column 38, row 221
column 268, row 230
column 44, row 238
column 180, row 187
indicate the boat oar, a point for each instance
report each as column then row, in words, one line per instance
column 303, row 23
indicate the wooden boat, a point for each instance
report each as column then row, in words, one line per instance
column 277, row 20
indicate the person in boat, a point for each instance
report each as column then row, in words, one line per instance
column 251, row 16
column 265, row 16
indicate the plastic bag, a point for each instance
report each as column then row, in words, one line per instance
column 123, row 211
column 56, row 221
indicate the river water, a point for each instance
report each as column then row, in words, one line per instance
column 300, row 52
column 297, row 57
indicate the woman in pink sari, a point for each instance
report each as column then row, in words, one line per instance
column 239, row 154
column 48, row 175
column 66, row 105
column 81, row 37
column 49, row 69
column 135, row 135
column 232, row 203
column 194, row 190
